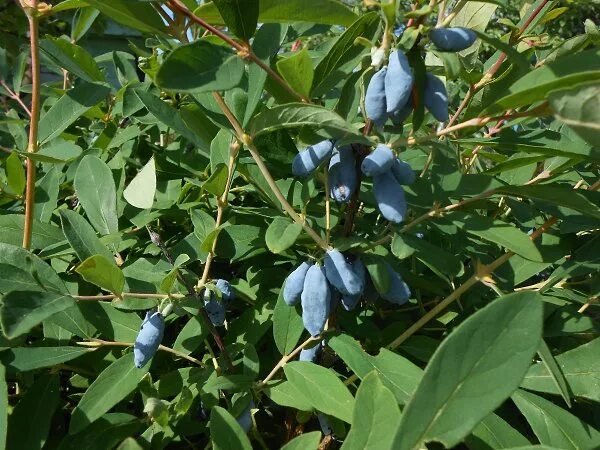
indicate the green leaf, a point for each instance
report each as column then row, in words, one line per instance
column 397, row 373
column 553, row 425
column 73, row 104
column 265, row 44
column 42, row 235
column 81, row 236
column 585, row 201
column 240, row 16
column 29, row 423
column 321, row 388
column 200, row 67
column 167, row 115
column 102, row 272
column 191, row 336
column 437, row 259
column 282, row 234
column 23, row 310
column 217, row 183
column 298, row 71
column 297, row 115
column 495, row 432
column 3, row 407
column 566, row 72
column 140, row 191
column 22, row 270
column 538, row 142
column 287, row 326
column 306, row 441
column 82, row 21
column 139, row 15
column 104, row 433
column 579, row 366
column 111, row 386
column 579, row 108
column 23, row 359
column 226, row 433
column 204, row 223
column 95, row 188
column 72, row 58
column 345, row 52
column 378, row 271
column 15, row 173
column 330, row 12
column 46, row 195
column 376, row 416
column 557, row 376
column 501, row 233
column 285, row 393
column 493, row 347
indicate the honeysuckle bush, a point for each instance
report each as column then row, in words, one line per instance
column 150, row 218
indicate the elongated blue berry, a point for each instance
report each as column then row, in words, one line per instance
column 349, row 302
column 340, row 274
column 403, row 172
column 378, row 161
column 309, row 159
column 390, row 197
column 215, row 309
column 325, row 427
column 375, row 102
column 399, row 81
column 342, row 174
column 316, row 300
column 402, row 114
column 398, row 293
column 452, row 39
column 245, row 418
column 294, row 284
column 310, row 354
column 436, row 97
column 227, row 293
column 148, row 338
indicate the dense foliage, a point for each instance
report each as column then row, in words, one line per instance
column 299, row 224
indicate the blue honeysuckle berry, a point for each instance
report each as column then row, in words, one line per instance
column 452, row 39
column 227, row 293
column 310, row 158
column 340, row 273
column 403, row 172
column 310, row 354
column 342, row 176
column 435, row 97
column 149, row 338
column 316, row 300
column 399, row 81
column 390, row 197
column 399, row 292
column 375, row 99
column 294, row 283
column 378, row 161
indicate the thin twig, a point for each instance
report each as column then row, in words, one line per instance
column 284, row 360
column 164, row 348
column 15, row 97
column 32, row 146
column 221, row 205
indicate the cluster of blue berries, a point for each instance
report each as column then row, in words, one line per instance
column 152, row 329
column 388, row 173
column 390, row 90
column 317, row 287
